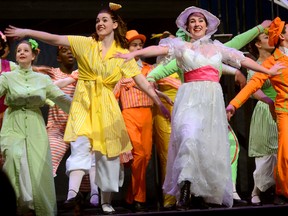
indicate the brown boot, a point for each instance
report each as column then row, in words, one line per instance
column 183, row 203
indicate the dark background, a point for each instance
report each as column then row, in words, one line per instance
column 147, row 17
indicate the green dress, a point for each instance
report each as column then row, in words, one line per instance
column 23, row 137
column 263, row 135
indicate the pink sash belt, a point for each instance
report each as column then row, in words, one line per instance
column 206, row 73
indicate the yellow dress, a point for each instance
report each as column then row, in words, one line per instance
column 95, row 112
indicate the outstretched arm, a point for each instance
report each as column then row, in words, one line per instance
column 241, row 40
column 52, row 39
column 252, row 65
column 61, row 83
column 149, row 51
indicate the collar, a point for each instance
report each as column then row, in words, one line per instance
column 278, row 54
column 25, row 70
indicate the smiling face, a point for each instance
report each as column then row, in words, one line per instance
column 24, row 55
column 105, row 25
column 197, row 25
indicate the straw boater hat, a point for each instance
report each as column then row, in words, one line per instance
column 212, row 21
column 133, row 35
column 275, row 30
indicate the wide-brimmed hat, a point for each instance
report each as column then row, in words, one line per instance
column 133, row 34
column 275, row 30
column 212, row 25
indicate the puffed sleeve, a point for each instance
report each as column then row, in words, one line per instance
column 230, row 56
column 173, row 44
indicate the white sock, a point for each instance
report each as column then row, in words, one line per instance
column 255, row 195
column 106, row 198
column 235, row 194
column 75, row 179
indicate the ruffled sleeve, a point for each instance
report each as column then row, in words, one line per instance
column 230, row 56
column 173, row 44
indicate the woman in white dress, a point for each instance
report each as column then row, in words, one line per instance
column 198, row 156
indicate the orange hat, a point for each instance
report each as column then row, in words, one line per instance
column 275, row 30
column 133, row 34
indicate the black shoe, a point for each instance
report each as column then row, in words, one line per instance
column 239, row 202
column 139, row 207
column 71, row 203
column 280, row 200
column 198, row 203
column 184, row 201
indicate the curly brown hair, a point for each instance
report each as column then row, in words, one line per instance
column 119, row 32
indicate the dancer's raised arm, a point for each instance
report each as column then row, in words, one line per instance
column 149, row 51
column 52, row 39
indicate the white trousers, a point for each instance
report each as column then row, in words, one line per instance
column 109, row 173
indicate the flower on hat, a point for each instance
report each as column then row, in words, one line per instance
column 133, row 35
column 213, row 21
column 275, row 30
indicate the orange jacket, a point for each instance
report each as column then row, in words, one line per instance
column 279, row 82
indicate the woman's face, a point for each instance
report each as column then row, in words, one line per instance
column 24, row 55
column 197, row 26
column 105, row 25
column 262, row 43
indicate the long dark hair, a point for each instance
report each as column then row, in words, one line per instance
column 119, row 32
column 252, row 47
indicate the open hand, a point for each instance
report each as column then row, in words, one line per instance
column 276, row 69
column 165, row 97
column 165, row 112
column 16, row 33
column 266, row 23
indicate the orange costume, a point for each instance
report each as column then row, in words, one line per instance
column 280, row 84
column 137, row 113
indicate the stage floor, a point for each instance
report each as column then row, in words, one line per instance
column 267, row 208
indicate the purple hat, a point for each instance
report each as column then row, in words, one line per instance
column 213, row 21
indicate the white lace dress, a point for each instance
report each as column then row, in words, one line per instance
column 199, row 145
